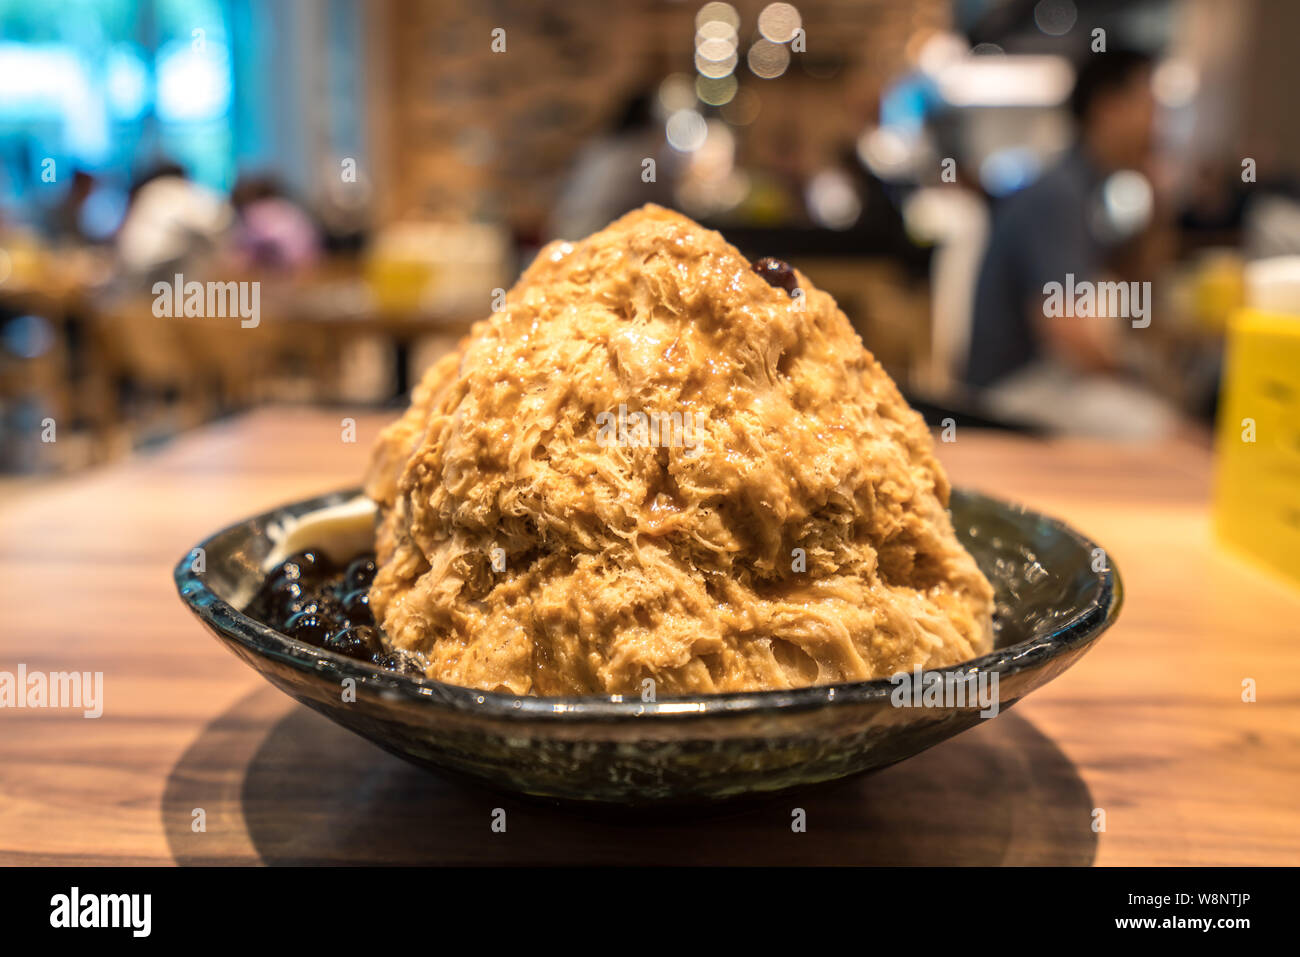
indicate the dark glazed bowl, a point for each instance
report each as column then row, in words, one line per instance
column 1056, row 593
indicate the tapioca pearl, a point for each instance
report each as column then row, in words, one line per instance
column 357, row 641
column 307, row 565
column 356, row 607
column 308, row 627
column 284, row 597
column 360, row 573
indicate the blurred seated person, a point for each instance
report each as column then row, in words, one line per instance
column 1064, row 372
column 65, row 220
column 271, row 231
column 170, row 221
column 608, row 175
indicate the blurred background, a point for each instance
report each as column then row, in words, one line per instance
column 381, row 168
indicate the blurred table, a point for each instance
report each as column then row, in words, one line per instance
column 1150, row 726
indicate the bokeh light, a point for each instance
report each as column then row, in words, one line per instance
column 1056, row 18
column 715, row 69
column 767, row 59
column 676, row 92
column 721, row 12
column 1127, row 199
column 716, row 92
column 832, row 201
column 940, row 50
column 27, row 336
column 716, row 49
column 885, row 152
column 716, row 30
column 716, row 41
column 193, row 85
column 1009, row 170
column 686, row 131
column 778, row 22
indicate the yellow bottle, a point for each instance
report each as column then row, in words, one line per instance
column 1257, row 481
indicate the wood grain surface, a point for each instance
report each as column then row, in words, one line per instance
column 1150, row 727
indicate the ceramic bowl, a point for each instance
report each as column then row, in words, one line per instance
column 1056, row 593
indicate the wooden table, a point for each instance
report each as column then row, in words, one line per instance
column 1149, row 727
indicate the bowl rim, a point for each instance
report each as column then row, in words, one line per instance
column 261, row 639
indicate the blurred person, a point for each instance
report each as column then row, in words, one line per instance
column 169, row 221
column 89, row 212
column 65, row 220
column 606, row 179
column 343, row 209
column 1056, row 371
column 270, row 230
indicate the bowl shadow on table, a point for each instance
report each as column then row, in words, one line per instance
column 279, row 784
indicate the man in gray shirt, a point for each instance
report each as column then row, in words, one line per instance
column 1051, row 229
